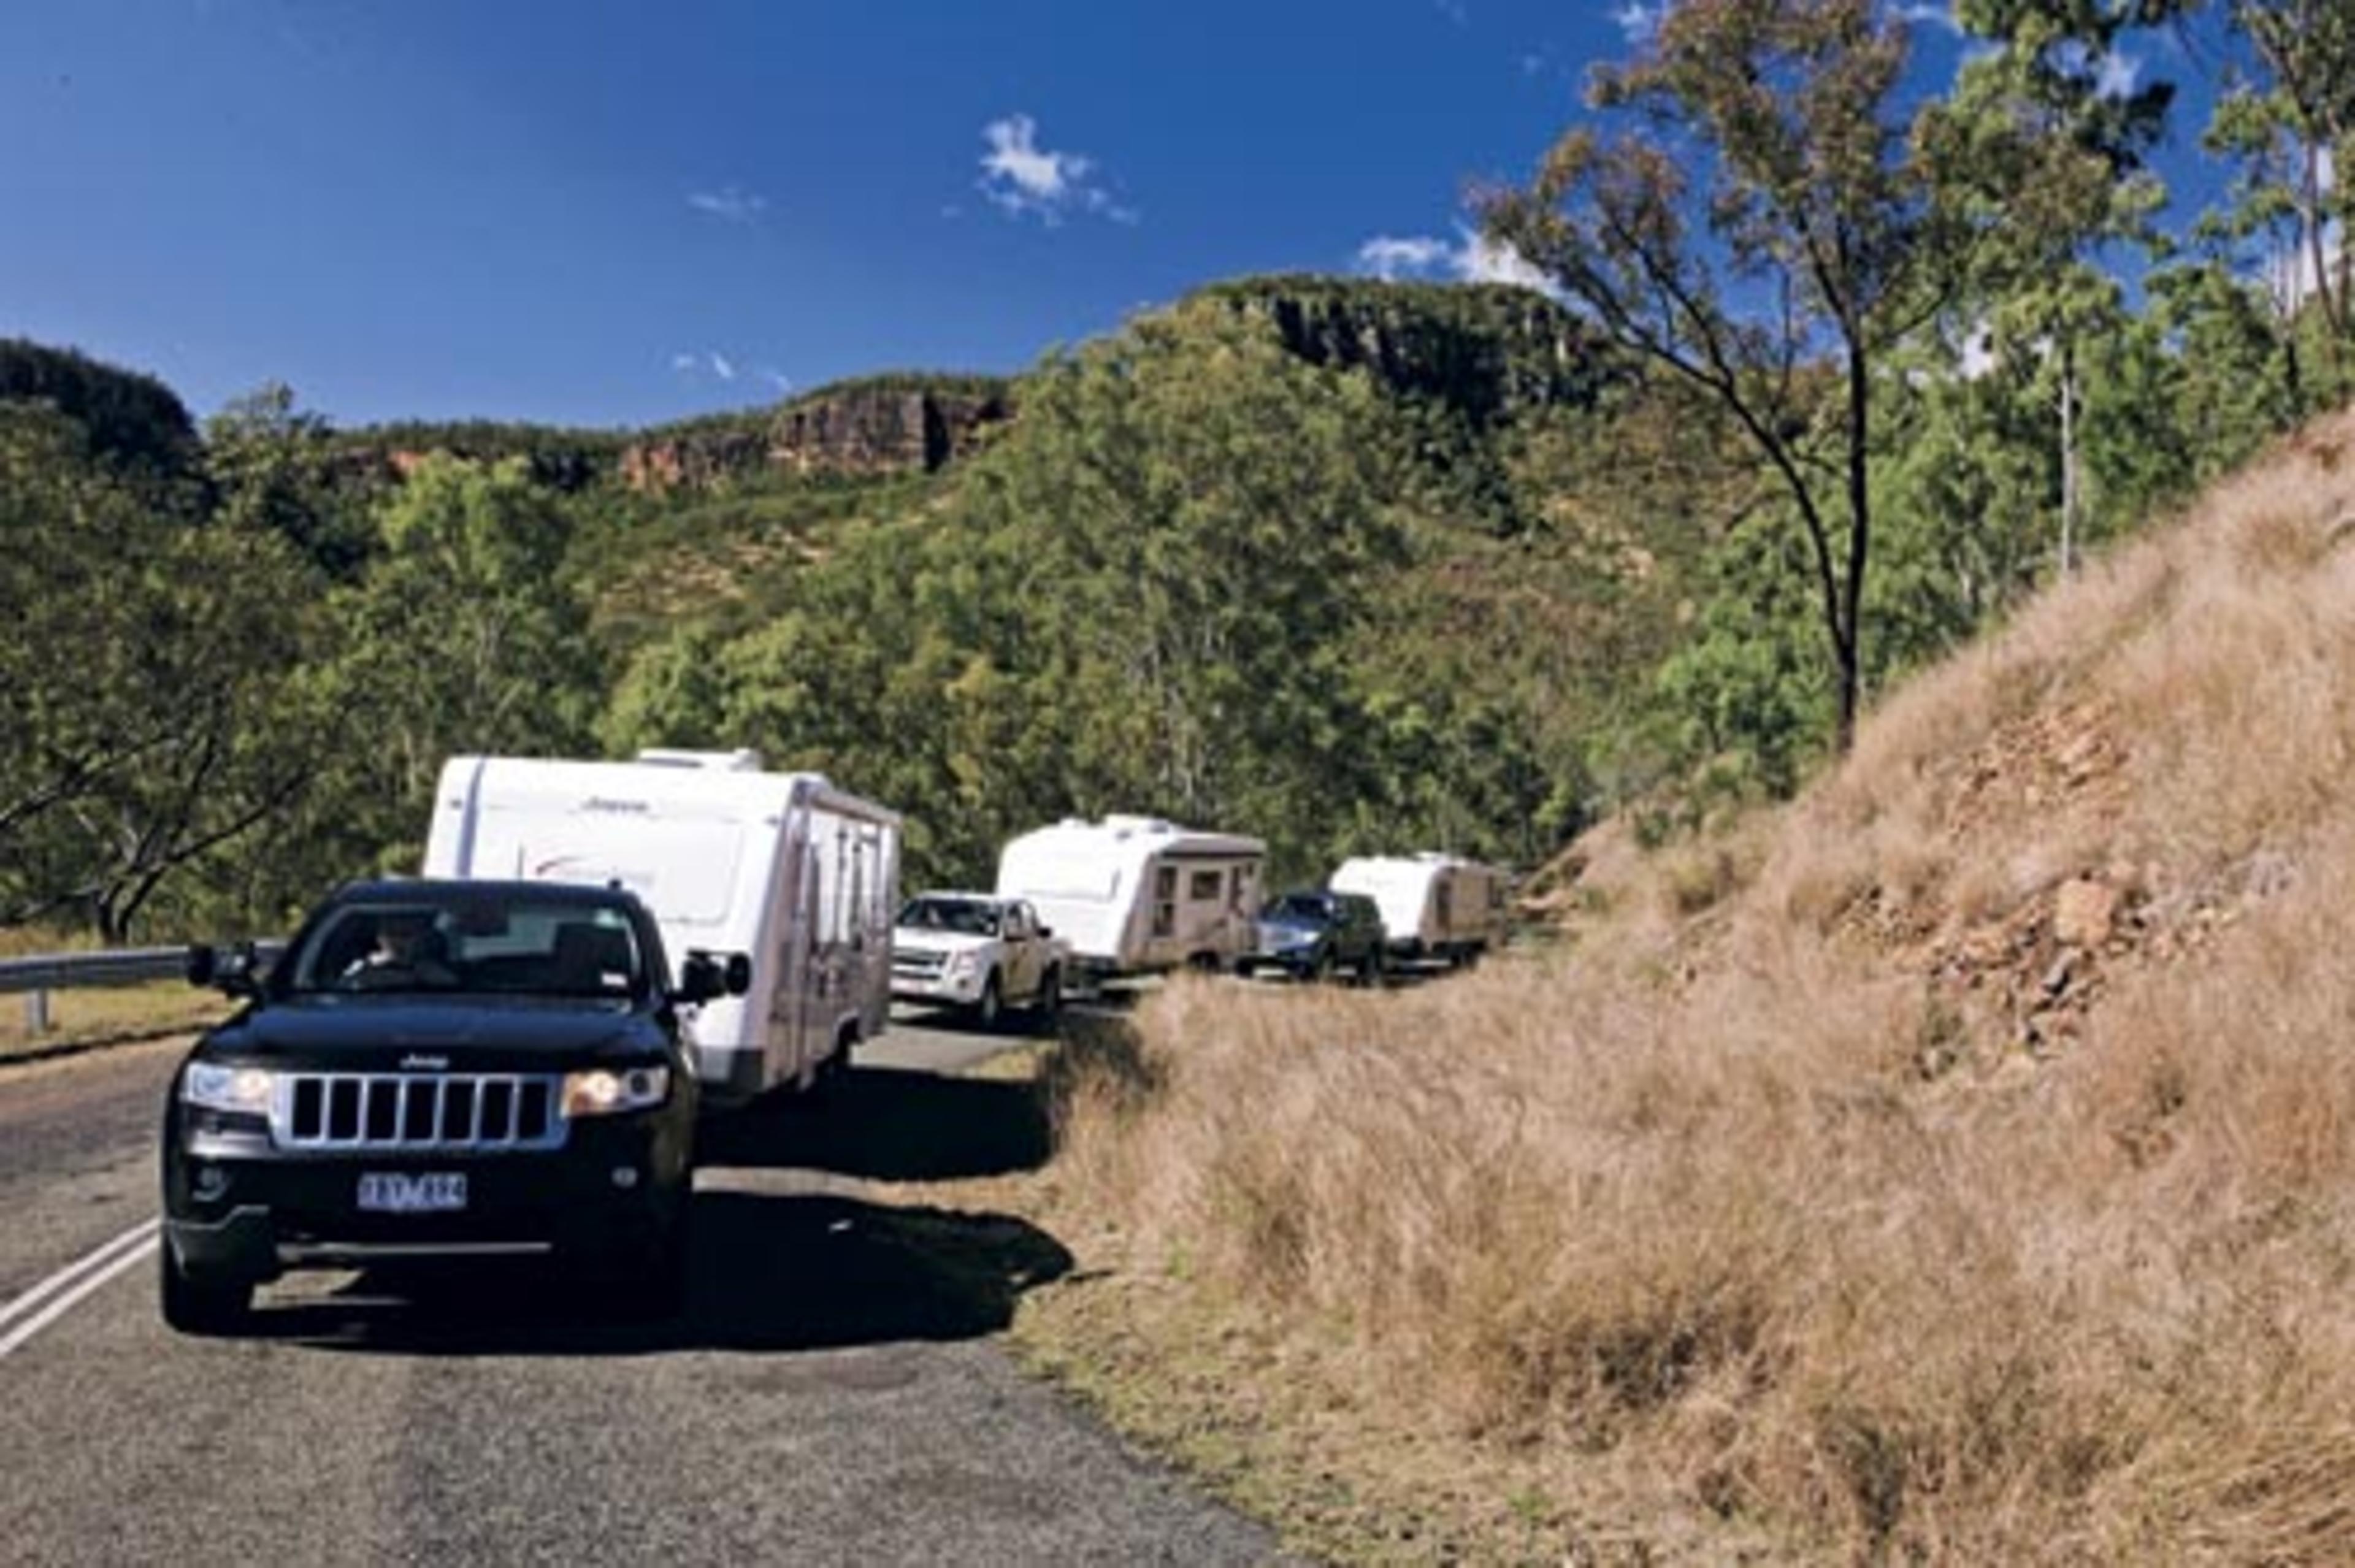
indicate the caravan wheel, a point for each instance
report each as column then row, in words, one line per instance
column 1047, row 1006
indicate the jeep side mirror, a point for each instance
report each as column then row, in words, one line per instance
column 229, row 971
column 699, row 980
column 706, row 977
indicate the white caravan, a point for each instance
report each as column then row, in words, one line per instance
column 1133, row 894
column 783, row 868
column 1436, row 906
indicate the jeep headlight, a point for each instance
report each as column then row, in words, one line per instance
column 607, row 1092
column 242, row 1091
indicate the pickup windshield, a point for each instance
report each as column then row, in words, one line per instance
column 965, row 917
column 546, row 945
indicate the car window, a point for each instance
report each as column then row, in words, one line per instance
column 962, row 917
column 471, row 942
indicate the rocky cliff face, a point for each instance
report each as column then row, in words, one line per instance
column 880, row 426
column 1487, row 351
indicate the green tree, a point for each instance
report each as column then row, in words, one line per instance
column 136, row 686
column 1765, row 232
column 2286, row 117
column 1200, row 510
column 462, row 637
column 275, row 467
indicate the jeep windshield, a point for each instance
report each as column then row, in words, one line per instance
column 1310, row 909
column 461, row 943
column 962, row 917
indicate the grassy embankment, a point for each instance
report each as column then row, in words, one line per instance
column 1958, row 1164
column 91, row 1016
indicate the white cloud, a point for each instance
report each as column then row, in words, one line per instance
column 1455, row 11
column 1471, row 258
column 1637, row 20
column 1387, row 256
column 1481, row 259
column 697, row 365
column 774, row 377
column 730, row 204
column 1023, row 178
column 1930, row 13
column 2117, row 73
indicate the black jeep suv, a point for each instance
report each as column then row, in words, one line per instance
column 1310, row 935
column 439, row 1069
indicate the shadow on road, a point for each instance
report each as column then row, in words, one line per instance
column 888, row 1125
column 766, row 1273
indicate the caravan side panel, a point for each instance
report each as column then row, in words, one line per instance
column 1197, row 905
column 852, row 866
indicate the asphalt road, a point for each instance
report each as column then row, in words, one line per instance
column 832, row 1396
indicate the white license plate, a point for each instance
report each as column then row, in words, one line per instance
column 398, row 1192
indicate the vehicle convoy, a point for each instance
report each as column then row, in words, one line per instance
column 1313, row 933
column 439, row 1069
column 1433, row 906
column 978, row 952
column 802, row 876
column 1134, row 895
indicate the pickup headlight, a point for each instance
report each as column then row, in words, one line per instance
column 962, row 965
column 244, row 1090
column 605, row 1092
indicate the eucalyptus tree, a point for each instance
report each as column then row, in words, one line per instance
column 2286, row 119
column 1762, row 225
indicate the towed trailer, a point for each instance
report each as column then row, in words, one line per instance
column 783, row 867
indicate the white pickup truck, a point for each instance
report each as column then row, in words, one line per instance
column 979, row 952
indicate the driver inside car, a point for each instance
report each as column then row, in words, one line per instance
column 409, row 951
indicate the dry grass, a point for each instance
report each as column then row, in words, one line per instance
column 1837, row 1199
column 95, row 1014
column 109, row 1013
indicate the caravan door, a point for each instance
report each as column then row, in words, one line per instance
column 809, row 996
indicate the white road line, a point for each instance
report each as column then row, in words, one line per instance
column 65, row 1276
column 63, row 1303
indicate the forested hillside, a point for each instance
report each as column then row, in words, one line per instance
column 1324, row 581
column 1354, row 565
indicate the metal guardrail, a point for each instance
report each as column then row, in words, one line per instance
column 37, row 976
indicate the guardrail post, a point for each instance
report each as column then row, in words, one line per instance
column 37, row 1012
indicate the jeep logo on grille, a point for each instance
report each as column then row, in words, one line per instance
column 424, row 1063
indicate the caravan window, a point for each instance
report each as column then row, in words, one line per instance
column 1206, row 887
column 965, row 917
column 1165, row 900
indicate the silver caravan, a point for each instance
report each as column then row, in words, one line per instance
column 1433, row 906
column 799, row 875
column 1135, row 894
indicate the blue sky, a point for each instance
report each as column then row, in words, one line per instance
column 608, row 213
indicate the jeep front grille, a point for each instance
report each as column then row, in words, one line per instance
column 429, row 1112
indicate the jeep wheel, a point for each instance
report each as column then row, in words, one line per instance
column 190, row 1307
